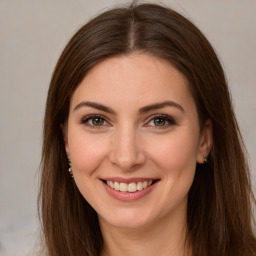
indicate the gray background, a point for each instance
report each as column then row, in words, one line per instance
column 33, row 34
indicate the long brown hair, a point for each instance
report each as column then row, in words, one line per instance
column 219, row 213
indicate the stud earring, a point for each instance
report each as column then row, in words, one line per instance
column 70, row 171
column 205, row 159
column 70, row 168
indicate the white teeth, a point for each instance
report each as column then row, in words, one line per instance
column 139, row 186
column 131, row 187
column 123, row 187
column 116, row 185
column 144, row 184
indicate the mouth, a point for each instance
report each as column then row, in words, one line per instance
column 131, row 187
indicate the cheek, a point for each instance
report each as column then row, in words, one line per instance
column 176, row 159
column 178, row 152
column 86, row 153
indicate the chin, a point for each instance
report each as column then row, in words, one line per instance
column 127, row 220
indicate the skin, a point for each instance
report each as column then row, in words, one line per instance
column 128, row 142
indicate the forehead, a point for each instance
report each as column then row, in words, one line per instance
column 136, row 78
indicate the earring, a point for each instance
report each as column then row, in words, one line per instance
column 70, row 171
column 70, row 168
column 205, row 159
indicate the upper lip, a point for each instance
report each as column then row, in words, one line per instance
column 129, row 180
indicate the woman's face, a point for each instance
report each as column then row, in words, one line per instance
column 133, row 138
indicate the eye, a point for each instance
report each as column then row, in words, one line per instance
column 161, row 121
column 95, row 121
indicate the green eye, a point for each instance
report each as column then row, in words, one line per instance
column 94, row 121
column 98, row 121
column 159, row 122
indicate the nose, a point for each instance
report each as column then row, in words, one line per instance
column 127, row 152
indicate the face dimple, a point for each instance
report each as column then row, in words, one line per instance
column 133, row 119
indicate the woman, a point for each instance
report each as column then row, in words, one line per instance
column 139, row 112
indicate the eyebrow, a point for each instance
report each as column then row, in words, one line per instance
column 94, row 105
column 142, row 110
column 161, row 105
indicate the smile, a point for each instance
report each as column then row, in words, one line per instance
column 128, row 190
column 129, row 187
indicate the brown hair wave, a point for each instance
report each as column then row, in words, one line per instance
column 219, row 214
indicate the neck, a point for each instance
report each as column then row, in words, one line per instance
column 163, row 238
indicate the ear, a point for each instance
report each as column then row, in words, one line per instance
column 65, row 137
column 205, row 142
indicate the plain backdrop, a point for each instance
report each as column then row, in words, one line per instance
column 32, row 35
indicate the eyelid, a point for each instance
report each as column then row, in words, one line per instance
column 170, row 121
column 84, row 120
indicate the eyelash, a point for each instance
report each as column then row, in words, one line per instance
column 87, row 119
column 165, row 118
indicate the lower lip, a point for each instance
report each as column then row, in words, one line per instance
column 128, row 196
